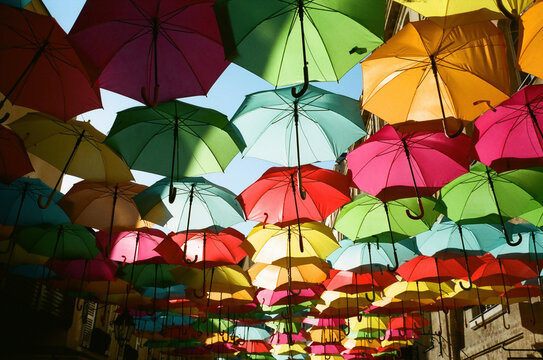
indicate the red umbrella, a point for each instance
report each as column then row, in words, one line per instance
column 254, row 346
column 44, row 73
column 391, row 165
column 346, row 281
column 510, row 136
column 14, row 161
column 273, row 297
column 274, row 198
column 131, row 246
column 161, row 49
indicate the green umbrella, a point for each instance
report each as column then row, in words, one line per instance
column 318, row 126
column 284, row 326
column 212, row 325
column 64, row 241
column 174, row 139
column 483, row 195
column 275, row 38
column 367, row 216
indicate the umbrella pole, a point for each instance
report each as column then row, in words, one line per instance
column 306, row 72
column 59, row 234
column 191, row 198
column 391, row 269
column 480, row 306
column 532, row 116
column 172, row 193
column 420, row 306
column 439, row 286
column 11, row 242
column 301, row 243
column 491, row 183
column 115, row 195
column 531, row 305
column 421, row 208
column 401, row 329
column 504, row 288
column 443, row 119
column 144, row 96
column 372, row 299
column 168, row 305
column 358, row 314
column 466, row 259
column 79, row 306
column 33, row 61
column 129, row 285
column 52, row 194
column 203, row 269
column 296, row 125
column 537, row 263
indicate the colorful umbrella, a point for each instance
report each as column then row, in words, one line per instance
column 349, row 282
column 15, row 164
column 530, row 40
column 44, row 71
column 303, row 274
column 199, row 140
column 430, row 66
column 174, row 47
column 131, row 246
column 74, row 147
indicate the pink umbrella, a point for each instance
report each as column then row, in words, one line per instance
column 278, row 338
column 162, row 49
column 131, row 246
column 272, row 297
column 510, row 136
column 318, row 349
column 391, row 165
column 324, row 322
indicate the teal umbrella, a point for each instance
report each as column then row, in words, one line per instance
column 369, row 217
column 174, row 139
column 290, row 131
column 16, row 3
column 448, row 239
column 483, row 195
column 250, row 333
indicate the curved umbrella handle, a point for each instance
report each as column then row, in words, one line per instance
column 172, row 193
column 421, row 208
column 505, row 325
column 510, row 242
column 327, row 357
column 372, row 295
column 4, row 118
column 505, row 11
column 146, row 98
column 48, row 202
column 79, row 305
column 395, row 267
column 294, row 292
column 359, row 316
column 470, row 286
column 198, row 295
column 186, row 260
column 383, row 338
column 304, row 87
column 446, row 130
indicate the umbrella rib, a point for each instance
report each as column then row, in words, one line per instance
column 293, row 21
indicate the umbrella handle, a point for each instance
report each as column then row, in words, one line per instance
column 79, row 305
column 327, row 357
column 48, row 202
column 4, row 118
column 446, row 130
column 372, row 299
column 304, row 87
column 172, row 193
column 395, row 267
column 146, row 98
column 470, row 286
column 200, row 296
column 294, row 292
column 505, row 11
column 416, row 217
column 510, row 242
column 505, row 325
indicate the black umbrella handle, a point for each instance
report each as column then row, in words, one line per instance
column 470, row 286
column 306, row 71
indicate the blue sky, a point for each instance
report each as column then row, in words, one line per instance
column 226, row 96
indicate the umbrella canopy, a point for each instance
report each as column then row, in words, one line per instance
column 15, row 164
column 313, row 45
column 510, row 136
column 174, row 47
column 44, row 71
column 429, row 66
column 280, row 297
column 199, row 204
column 303, row 274
column 83, row 269
column 425, row 268
column 131, row 246
column 359, row 257
column 404, row 165
column 147, row 275
column 530, row 40
column 227, row 279
column 318, row 126
column 345, row 281
column 273, row 198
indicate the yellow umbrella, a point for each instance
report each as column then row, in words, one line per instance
column 271, row 242
column 432, row 73
column 326, row 357
column 397, row 343
column 75, row 147
column 368, row 322
column 225, row 299
column 361, row 343
column 325, row 335
column 347, row 304
column 531, row 40
column 450, row 13
column 405, row 290
column 274, row 277
column 285, row 349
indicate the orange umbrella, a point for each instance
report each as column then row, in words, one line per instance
column 434, row 73
column 531, row 40
column 304, row 273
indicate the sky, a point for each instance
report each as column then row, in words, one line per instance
column 225, row 96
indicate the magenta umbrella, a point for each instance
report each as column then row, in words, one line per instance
column 392, row 165
column 131, row 246
column 160, row 50
column 319, row 349
column 280, row 297
column 510, row 136
column 324, row 322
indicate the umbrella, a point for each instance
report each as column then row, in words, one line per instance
column 199, row 140
column 279, row 297
column 267, row 40
column 403, row 165
column 484, row 195
column 15, row 164
column 174, row 47
column 510, row 136
column 450, row 13
column 16, row 3
column 324, row 126
column 303, row 274
column 44, row 71
column 530, row 40
column 209, row 206
column 273, row 197
column 131, row 246
column 429, row 66
column 75, row 147
column 347, row 281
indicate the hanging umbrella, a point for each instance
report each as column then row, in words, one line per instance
column 482, row 195
column 278, row 338
column 450, row 13
column 273, row 197
column 199, row 204
column 304, row 273
column 279, row 297
column 74, row 147
column 325, row 335
column 174, row 47
column 510, row 136
column 530, row 40
column 403, row 165
column 131, row 246
column 318, row 126
column 15, row 164
column 199, row 140
column 108, row 207
column 430, row 66
column 246, row 27
column 44, row 71
column 347, row 281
